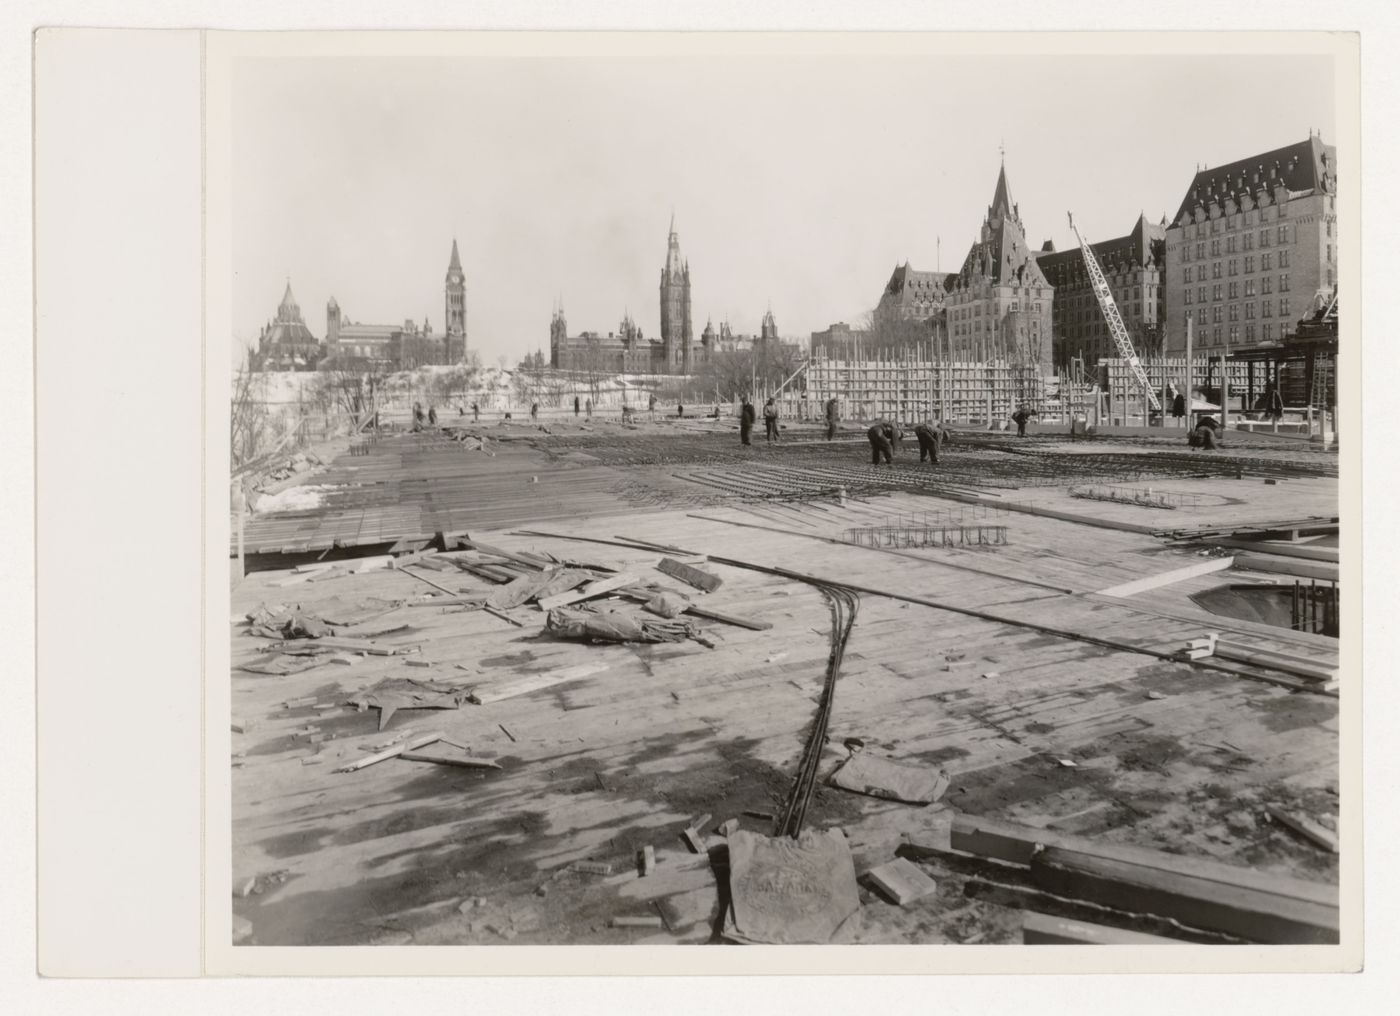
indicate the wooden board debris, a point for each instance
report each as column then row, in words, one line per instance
column 690, row 575
column 1307, row 828
column 902, row 881
column 1042, row 929
column 388, row 753
column 588, row 592
column 533, row 682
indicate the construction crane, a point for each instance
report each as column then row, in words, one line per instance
column 1116, row 328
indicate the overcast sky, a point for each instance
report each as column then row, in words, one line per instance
column 798, row 181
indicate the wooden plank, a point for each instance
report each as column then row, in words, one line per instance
column 1168, row 578
column 1042, row 929
column 1302, row 569
column 705, row 612
column 697, row 577
column 588, row 592
column 533, row 682
column 1315, row 670
column 466, row 762
column 1007, row 841
column 1199, row 902
column 388, row 753
column 1307, row 828
column 1328, row 554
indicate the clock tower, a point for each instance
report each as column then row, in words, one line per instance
column 455, row 314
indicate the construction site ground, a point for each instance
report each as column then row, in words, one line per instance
column 1002, row 686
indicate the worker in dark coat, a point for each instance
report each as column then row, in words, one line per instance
column 831, row 411
column 576, row 405
column 770, row 420
column 1206, row 435
column 417, row 415
column 588, row 408
column 1179, row 405
column 928, row 442
column 432, row 415
column 534, row 411
column 881, row 443
column 1021, row 417
column 1273, row 407
column 746, row 419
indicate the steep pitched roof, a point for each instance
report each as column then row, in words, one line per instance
column 1002, row 258
column 909, row 287
column 1142, row 245
column 456, row 261
column 1306, row 165
column 1001, row 200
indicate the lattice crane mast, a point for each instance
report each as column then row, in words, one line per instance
column 1116, row 328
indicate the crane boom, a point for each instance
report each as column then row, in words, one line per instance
column 1116, row 328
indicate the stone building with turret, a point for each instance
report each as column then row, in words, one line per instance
column 1252, row 249
column 999, row 305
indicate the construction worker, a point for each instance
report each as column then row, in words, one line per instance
column 588, row 408
column 1273, row 405
column 1179, row 409
column 476, row 412
column 929, row 440
column 651, row 403
column 417, row 415
column 534, row 411
column 680, row 411
column 881, row 442
column 1206, row 435
column 1020, row 418
column 432, row 415
column 831, row 411
column 770, row 420
column 576, row 405
column 746, row 419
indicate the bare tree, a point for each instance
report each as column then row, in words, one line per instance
column 248, row 416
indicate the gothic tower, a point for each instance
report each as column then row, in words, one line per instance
column 768, row 332
column 558, row 337
column 675, row 306
column 455, row 315
column 332, row 323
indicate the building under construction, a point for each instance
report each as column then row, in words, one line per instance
column 625, row 679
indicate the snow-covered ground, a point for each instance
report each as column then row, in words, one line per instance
column 293, row 499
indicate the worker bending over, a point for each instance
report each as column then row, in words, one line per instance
column 882, row 438
column 1206, row 435
column 929, row 440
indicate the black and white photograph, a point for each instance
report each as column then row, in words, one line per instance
column 643, row 532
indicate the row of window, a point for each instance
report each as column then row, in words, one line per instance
column 1279, row 237
column 1240, row 220
column 1234, row 267
column 1217, row 334
column 1232, row 292
column 1218, row 313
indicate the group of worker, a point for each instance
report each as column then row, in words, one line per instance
column 885, row 437
column 747, row 417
